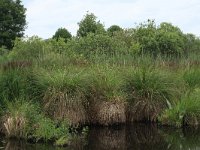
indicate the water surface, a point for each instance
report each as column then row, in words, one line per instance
column 129, row 137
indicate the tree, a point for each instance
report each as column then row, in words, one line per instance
column 170, row 39
column 164, row 39
column 62, row 33
column 89, row 25
column 12, row 21
column 145, row 35
column 113, row 28
column 192, row 44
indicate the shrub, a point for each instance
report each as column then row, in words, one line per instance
column 3, row 51
column 114, row 28
column 165, row 39
column 23, row 119
column 170, row 40
column 18, row 117
column 31, row 48
column 98, row 44
column 48, row 130
column 186, row 112
column 62, row 33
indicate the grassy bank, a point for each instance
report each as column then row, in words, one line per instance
column 49, row 87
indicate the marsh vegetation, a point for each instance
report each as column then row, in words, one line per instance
column 49, row 88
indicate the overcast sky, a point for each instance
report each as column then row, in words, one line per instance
column 44, row 17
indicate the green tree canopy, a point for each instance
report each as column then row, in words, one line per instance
column 89, row 24
column 12, row 21
column 145, row 35
column 192, row 43
column 62, row 33
column 113, row 28
column 165, row 39
column 170, row 39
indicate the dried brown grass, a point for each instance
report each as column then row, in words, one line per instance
column 62, row 106
column 173, row 65
column 143, row 111
column 191, row 120
column 16, row 65
column 14, row 126
column 108, row 112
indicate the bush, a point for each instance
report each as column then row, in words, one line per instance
column 19, row 116
column 62, row 33
column 186, row 112
column 28, row 49
column 114, row 28
column 165, row 39
column 170, row 40
column 48, row 130
column 145, row 35
column 3, row 51
column 96, row 45
column 23, row 119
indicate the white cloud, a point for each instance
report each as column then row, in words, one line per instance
column 46, row 16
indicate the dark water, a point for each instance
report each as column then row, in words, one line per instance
column 132, row 137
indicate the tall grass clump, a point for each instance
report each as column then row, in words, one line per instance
column 105, row 98
column 21, row 82
column 23, row 119
column 149, row 92
column 103, row 82
column 186, row 112
column 35, row 86
column 19, row 114
column 12, row 84
column 3, row 55
column 64, row 97
column 192, row 78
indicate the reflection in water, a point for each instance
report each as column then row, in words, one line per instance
column 145, row 137
column 182, row 139
column 137, row 137
column 22, row 145
column 107, row 138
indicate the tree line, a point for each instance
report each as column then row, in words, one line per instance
column 146, row 37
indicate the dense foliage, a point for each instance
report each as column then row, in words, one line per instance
column 62, row 33
column 114, row 28
column 89, row 24
column 12, row 21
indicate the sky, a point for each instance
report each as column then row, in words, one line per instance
column 44, row 17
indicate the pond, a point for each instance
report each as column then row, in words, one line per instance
column 127, row 137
